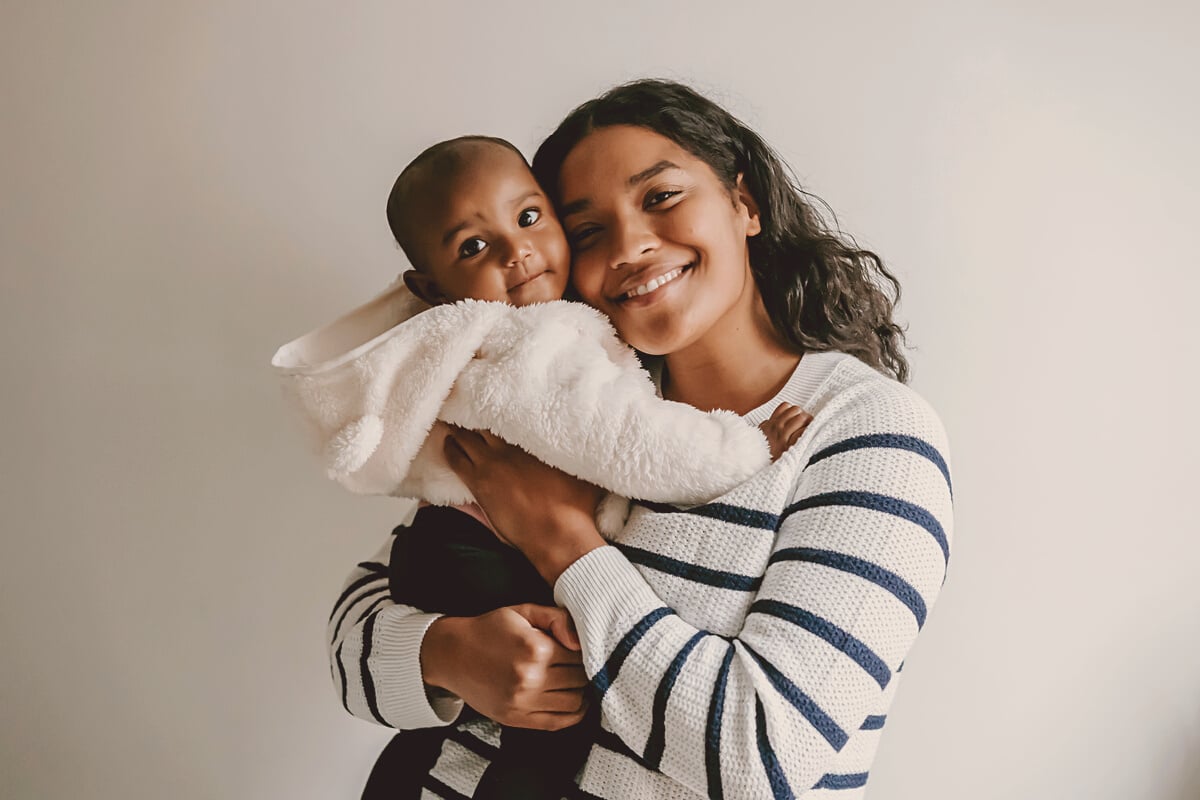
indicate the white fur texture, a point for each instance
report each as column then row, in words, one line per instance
column 552, row 378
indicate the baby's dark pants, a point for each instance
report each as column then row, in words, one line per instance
column 447, row 562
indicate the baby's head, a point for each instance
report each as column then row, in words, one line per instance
column 474, row 223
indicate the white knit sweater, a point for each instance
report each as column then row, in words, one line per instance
column 746, row 648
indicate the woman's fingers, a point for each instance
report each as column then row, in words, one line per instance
column 467, row 449
column 552, row 619
column 566, row 676
column 564, row 701
column 546, row 721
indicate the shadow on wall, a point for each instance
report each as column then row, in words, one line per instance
column 1187, row 785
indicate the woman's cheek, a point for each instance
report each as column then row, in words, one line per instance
column 587, row 279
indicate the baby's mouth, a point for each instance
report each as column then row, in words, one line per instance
column 527, row 281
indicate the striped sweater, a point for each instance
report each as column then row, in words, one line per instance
column 746, row 648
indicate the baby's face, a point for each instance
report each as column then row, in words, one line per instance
column 489, row 232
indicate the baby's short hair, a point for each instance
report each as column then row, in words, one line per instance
column 440, row 158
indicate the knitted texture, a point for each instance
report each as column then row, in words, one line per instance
column 552, row 378
column 745, row 648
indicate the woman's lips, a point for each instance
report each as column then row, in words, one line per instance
column 651, row 290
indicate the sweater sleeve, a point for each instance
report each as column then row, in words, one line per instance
column 375, row 653
column 858, row 558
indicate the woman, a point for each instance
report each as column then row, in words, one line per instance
column 745, row 648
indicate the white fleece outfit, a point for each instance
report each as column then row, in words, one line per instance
column 552, row 378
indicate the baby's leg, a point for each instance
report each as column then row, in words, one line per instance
column 449, row 562
column 538, row 765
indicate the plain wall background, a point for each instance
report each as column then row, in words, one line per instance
column 187, row 185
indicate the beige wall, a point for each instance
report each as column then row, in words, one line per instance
column 185, row 185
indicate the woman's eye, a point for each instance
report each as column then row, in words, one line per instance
column 528, row 217
column 660, row 197
column 471, row 247
column 581, row 238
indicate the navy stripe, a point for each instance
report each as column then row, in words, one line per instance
column 349, row 590
column 735, row 515
column 442, row 790
column 373, row 566
column 874, row 573
column 608, row 674
column 660, row 508
column 851, row 781
column 473, row 743
column 813, row 713
column 738, row 515
column 371, row 608
column 779, row 785
column 894, row 441
column 342, row 672
column 349, row 605
column 368, row 682
column 610, row 741
column 873, row 722
column 712, row 735
column 657, row 741
column 575, row 793
column 691, row 572
column 878, row 502
column 826, row 630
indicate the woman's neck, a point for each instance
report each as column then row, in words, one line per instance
column 738, row 365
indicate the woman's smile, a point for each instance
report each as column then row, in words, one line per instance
column 649, row 291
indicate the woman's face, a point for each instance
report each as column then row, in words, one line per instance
column 658, row 242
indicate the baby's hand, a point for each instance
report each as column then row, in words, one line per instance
column 784, row 427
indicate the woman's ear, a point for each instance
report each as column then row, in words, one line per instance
column 747, row 201
column 424, row 287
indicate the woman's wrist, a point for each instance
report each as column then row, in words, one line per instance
column 571, row 540
column 437, row 651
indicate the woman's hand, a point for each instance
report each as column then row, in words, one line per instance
column 506, row 665
column 545, row 513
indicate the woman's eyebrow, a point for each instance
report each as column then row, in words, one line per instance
column 575, row 206
column 646, row 174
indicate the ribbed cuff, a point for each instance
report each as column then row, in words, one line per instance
column 605, row 595
column 399, row 684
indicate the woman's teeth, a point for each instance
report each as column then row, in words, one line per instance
column 651, row 285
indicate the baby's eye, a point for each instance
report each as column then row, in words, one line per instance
column 528, row 217
column 471, row 247
column 660, row 197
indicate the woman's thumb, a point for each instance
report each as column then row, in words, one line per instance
column 552, row 619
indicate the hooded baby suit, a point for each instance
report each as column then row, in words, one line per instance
column 552, row 378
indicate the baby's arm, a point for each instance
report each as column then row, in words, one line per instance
column 785, row 425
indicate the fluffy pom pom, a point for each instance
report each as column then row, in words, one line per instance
column 350, row 447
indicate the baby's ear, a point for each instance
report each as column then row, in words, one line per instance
column 424, row 287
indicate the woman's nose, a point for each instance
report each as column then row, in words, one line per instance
column 632, row 239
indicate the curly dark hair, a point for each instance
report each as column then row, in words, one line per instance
column 821, row 291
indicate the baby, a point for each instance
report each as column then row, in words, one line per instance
column 476, row 226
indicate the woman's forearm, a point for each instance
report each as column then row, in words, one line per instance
column 374, row 653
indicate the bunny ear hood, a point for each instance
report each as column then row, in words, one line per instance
column 552, row 378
